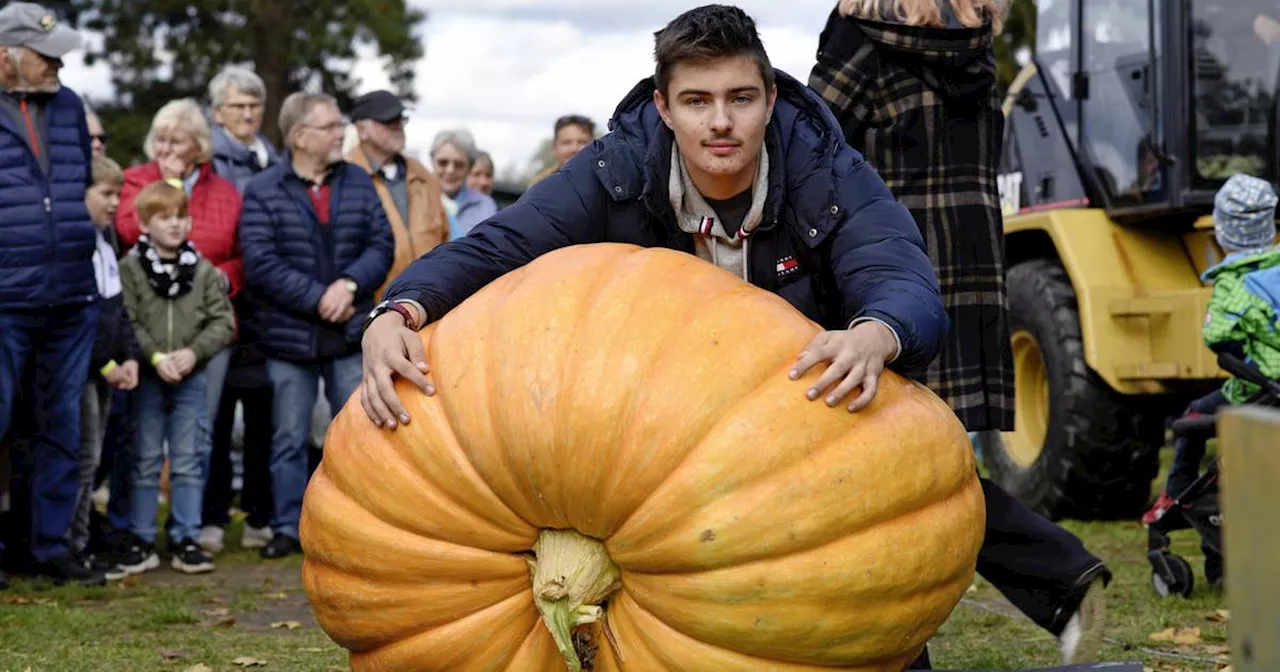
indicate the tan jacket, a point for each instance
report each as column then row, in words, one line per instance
column 428, row 225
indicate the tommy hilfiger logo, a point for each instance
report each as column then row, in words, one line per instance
column 787, row 266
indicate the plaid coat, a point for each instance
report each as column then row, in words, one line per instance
column 920, row 104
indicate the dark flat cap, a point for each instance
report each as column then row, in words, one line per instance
column 381, row 105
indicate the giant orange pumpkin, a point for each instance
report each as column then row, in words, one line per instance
column 617, row 422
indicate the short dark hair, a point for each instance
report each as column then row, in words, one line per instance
column 578, row 120
column 707, row 33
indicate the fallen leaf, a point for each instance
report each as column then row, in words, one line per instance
column 277, row 596
column 218, row 613
column 248, row 661
column 268, row 581
column 17, row 600
column 199, row 667
column 1177, row 635
column 225, row 621
column 170, row 654
column 1219, row 616
column 288, row 625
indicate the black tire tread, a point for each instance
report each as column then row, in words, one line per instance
column 1102, row 449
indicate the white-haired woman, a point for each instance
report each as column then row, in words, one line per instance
column 180, row 149
column 453, row 153
column 240, row 150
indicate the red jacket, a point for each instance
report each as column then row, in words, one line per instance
column 215, row 218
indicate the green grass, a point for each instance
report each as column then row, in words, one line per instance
column 163, row 621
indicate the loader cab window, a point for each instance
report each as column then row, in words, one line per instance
column 1235, row 65
column 1117, row 103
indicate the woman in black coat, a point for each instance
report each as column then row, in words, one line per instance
column 912, row 83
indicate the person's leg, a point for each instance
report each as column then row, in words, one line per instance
column 216, row 504
column 186, row 427
column 1043, row 569
column 119, row 436
column 95, row 400
column 188, row 431
column 255, row 494
column 294, row 394
column 60, row 359
column 342, row 378
column 15, row 344
column 1188, row 451
column 148, row 458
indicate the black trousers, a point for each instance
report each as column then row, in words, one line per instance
column 255, row 494
column 1037, row 565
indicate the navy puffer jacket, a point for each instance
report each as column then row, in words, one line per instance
column 290, row 259
column 46, row 235
column 834, row 242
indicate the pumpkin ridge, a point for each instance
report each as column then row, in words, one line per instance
column 364, row 499
column 942, row 493
column 640, row 391
column 693, row 448
column 449, row 437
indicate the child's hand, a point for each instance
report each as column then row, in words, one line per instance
column 184, row 361
column 130, row 368
column 168, row 370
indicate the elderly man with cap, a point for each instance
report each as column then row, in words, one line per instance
column 410, row 193
column 48, row 310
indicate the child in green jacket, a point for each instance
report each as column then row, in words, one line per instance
column 182, row 316
column 1242, row 315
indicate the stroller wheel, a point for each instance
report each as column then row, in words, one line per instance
column 1170, row 574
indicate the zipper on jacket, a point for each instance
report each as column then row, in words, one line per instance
column 169, row 341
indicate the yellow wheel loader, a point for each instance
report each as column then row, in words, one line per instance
column 1130, row 116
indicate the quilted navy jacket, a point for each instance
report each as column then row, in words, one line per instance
column 859, row 252
column 290, row 259
column 46, row 235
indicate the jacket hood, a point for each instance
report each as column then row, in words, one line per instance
column 802, row 139
column 1241, row 263
column 957, row 62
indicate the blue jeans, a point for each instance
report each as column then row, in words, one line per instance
column 294, row 390
column 44, row 359
column 178, row 414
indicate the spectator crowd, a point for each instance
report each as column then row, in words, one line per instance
column 170, row 332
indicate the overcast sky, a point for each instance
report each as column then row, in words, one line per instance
column 505, row 69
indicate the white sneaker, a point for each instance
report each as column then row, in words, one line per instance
column 1082, row 638
column 255, row 537
column 211, row 539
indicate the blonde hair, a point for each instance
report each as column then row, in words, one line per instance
column 183, row 115
column 970, row 13
column 159, row 198
column 106, row 171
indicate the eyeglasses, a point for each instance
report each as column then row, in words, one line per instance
column 326, row 128
column 102, row 137
column 243, row 107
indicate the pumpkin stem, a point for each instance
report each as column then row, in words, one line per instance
column 572, row 574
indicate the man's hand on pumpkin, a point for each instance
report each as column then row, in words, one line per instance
column 856, row 355
column 390, row 349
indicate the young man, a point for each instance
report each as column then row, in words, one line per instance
column 720, row 156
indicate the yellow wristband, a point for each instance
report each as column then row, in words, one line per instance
column 108, row 368
column 157, row 358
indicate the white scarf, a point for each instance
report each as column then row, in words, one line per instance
column 106, row 270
